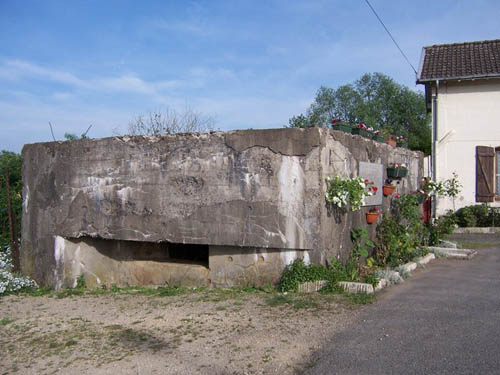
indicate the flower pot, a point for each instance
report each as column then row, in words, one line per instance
column 371, row 217
column 342, row 126
column 390, row 142
column 378, row 138
column 402, row 144
column 388, row 189
column 362, row 132
column 396, row 172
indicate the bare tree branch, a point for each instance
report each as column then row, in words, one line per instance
column 169, row 121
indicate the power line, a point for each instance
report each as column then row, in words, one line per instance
column 388, row 32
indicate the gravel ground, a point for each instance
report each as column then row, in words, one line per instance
column 208, row 332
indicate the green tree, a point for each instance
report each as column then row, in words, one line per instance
column 13, row 162
column 378, row 101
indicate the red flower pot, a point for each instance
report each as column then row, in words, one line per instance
column 371, row 217
column 388, row 190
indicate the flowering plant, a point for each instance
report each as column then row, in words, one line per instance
column 448, row 188
column 374, row 210
column 353, row 191
column 400, row 138
column 337, row 121
column 10, row 282
column 363, row 126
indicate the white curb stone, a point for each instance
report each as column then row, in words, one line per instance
column 453, row 253
column 382, row 283
column 476, row 230
column 408, row 267
column 445, row 243
column 312, row 286
column 392, row 277
column 426, row 259
column 356, row 288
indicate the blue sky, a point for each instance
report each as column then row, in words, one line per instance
column 250, row 64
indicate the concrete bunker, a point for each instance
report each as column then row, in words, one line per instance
column 218, row 209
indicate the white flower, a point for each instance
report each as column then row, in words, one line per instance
column 8, row 281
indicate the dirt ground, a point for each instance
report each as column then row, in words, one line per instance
column 208, row 332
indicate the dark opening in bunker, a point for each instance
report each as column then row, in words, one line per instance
column 122, row 250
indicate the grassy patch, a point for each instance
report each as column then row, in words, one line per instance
column 5, row 321
column 359, row 299
column 279, row 299
column 473, row 245
column 313, row 301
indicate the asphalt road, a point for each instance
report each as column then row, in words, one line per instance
column 443, row 320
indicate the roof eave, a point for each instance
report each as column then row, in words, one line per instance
column 421, row 65
column 460, row 78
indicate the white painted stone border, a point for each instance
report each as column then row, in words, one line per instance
column 356, row 288
column 312, row 286
column 453, row 253
column 475, row 230
column 353, row 287
column 425, row 259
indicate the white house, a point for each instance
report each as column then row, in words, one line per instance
column 462, row 89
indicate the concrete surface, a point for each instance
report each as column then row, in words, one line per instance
column 250, row 191
column 453, row 252
column 443, row 320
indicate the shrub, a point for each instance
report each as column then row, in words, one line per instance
column 401, row 232
column 479, row 215
column 9, row 282
column 441, row 228
column 298, row 272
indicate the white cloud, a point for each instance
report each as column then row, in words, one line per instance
column 21, row 69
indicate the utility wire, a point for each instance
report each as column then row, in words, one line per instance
column 388, row 32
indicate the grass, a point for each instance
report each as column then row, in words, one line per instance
column 317, row 301
column 238, row 295
column 473, row 245
column 5, row 321
column 359, row 299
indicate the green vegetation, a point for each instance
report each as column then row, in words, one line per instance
column 5, row 321
column 479, row 215
column 401, row 237
column 475, row 245
column 376, row 100
column 401, row 233
column 12, row 162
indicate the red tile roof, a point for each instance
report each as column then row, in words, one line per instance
column 460, row 61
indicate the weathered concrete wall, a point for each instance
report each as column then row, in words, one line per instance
column 255, row 191
column 341, row 155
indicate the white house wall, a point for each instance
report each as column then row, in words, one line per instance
column 468, row 116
